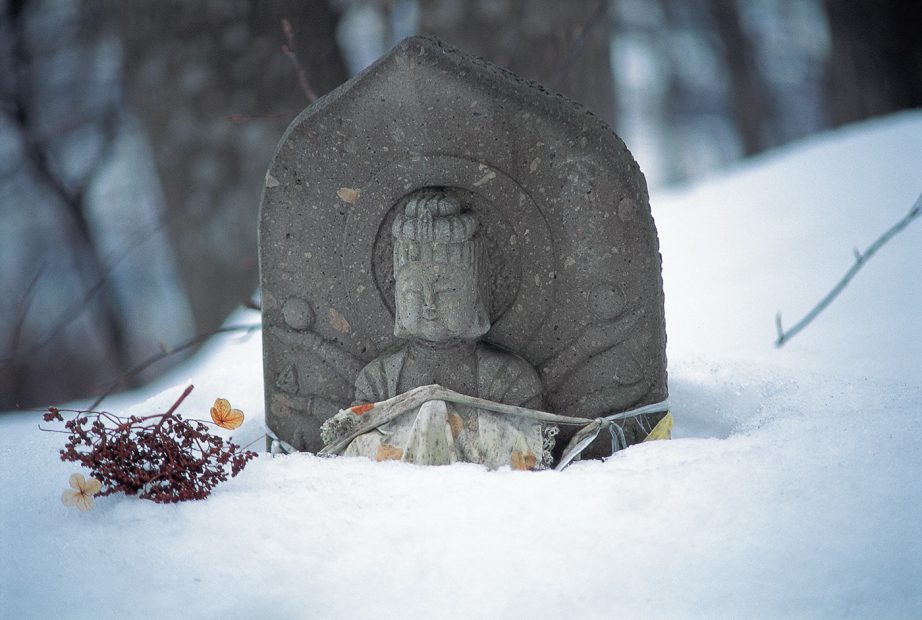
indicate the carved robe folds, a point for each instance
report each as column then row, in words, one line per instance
column 439, row 433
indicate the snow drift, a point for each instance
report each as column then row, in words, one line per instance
column 790, row 488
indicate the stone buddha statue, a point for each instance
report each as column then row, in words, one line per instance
column 546, row 224
column 441, row 314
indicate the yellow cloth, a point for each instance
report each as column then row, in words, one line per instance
column 663, row 429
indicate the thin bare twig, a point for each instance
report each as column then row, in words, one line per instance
column 75, row 310
column 569, row 58
column 71, row 196
column 167, row 353
column 292, row 53
column 243, row 118
column 860, row 259
column 24, row 306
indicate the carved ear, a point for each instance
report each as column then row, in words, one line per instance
column 481, row 318
column 482, row 290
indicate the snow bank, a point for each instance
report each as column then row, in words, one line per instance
column 778, row 233
column 790, row 490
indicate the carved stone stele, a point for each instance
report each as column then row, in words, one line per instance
column 564, row 218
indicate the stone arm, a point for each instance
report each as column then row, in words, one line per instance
column 345, row 364
column 594, row 339
column 296, row 417
column 524, row 389
column 370, row 387
column 369, row 396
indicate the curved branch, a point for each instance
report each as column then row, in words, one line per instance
column 860, row 260
column 167, row 353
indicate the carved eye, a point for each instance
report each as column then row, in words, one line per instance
column 224, row 416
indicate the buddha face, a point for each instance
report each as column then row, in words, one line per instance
column 438, row 302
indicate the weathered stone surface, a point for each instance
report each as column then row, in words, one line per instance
column 574, row 277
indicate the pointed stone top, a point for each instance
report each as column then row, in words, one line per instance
column 424, row 62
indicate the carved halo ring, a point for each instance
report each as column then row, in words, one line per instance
column 518, row 240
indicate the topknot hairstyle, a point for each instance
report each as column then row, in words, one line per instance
column 433, row 229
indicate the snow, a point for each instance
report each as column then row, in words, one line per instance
column 790, row 488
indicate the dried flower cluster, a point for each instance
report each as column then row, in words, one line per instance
column 161, row 457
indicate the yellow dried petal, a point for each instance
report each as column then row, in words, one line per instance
column 81, row 495
column 84, row 501
column 92, row 486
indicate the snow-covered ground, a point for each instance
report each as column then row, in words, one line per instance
column 791, row 488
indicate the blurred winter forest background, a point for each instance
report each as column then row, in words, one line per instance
column 134, row 135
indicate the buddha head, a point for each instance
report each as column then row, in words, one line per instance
column 440, row 293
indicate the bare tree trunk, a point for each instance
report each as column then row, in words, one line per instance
column 45, row 111
column 752, row 100
column 215, row 92
column 563, row 45
column 876, row 62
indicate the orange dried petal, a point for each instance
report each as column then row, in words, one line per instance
column 220, row 408
column 363, row 408
column 456, row 423
column 388, row 453
column 522, row 461
column 224, row 416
